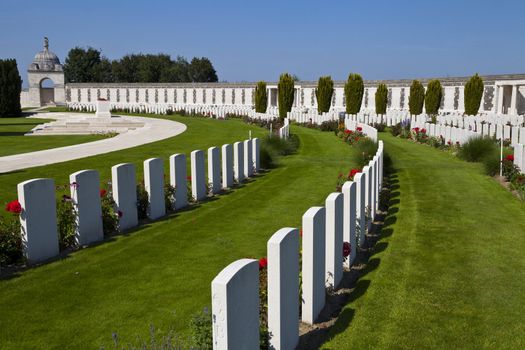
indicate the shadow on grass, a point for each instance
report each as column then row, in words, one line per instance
column 338, row 314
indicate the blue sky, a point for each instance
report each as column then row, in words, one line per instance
column 257, row 40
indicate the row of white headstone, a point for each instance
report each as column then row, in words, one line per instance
column 235, row 290
column 37, row 196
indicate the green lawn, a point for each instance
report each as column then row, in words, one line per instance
column 447, row 272
column 161, row 273
column 13, row 141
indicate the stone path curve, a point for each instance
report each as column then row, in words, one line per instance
column 153, row 130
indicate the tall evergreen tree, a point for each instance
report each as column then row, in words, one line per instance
column 416, row 98
column 323, row 93
column 10, row 89
column 261, row 97
column 285, row 90
column 354, row 90
column 473, row 95
column 202, row 71
column 381, row 99
column 433, row 97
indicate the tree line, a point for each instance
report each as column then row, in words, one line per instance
column 354, row 90
column 10, row 89
column 89, row 65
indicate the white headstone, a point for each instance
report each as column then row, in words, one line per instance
column 334, row 239
column 154, row 184
column 214, row 169
column 283, row 289
column 125, row 194
column 360, row 182
column 235, row 306
column 85, row 193
column 350, row 211
column 227, row 166
column 238, row 161
column 198, row 181
column 313, row 260
column 247, row 161
column 256, row 154
column 178, row 179
column 38, row 219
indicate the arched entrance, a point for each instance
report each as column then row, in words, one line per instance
column 47, row 92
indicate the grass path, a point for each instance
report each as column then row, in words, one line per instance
column 448, row 271
column 161, row 273
column 13, row 141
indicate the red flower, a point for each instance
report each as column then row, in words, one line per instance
column 188, row 178
column 416, row 129
column 353, row 172
column 346, row 249
column 510, row 158
column 120, row 213
column 14, row 207
column 348, row 131
column 359, row 128
column 263, row 263
column 301, row 232
column 424, row 131
column 103, row 193
column 449, row 143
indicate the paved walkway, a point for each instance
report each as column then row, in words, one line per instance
column 153, row 130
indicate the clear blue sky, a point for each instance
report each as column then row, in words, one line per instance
column 257, row 40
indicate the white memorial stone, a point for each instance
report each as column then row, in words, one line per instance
column 235, row 306
column 349, row 219
column 198, row 182
column 256, row 154
column 360, row 182
column 227, row 166
column 103, row 109
column 334, row 239
column 238, row 161
column 125, row 194
column 214, row 170
column 85, row 193
column 313, row 261
column 247, row 161
column 178, row 179
column 38, row 219
column 283, row 289
column 154, row 184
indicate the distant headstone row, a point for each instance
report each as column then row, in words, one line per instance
column 235, row 290
column 37, row 196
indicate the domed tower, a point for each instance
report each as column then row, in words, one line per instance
column 46, row 65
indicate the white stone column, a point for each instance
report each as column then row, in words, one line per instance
column 85, row 193
column 334, row 239
column 124, row 188
column 38, row 219
column 198, row 181
column 235, row 306
column 214, row 169
column 283, row 289
column 501, row 92
column 513, row 101
column 227, row 166
column 154, row 184
column 313, row 260
column 178, row 179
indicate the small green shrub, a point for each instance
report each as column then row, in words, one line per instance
column 10, row 241
column 366, row 150
column 380, row 127
column 66, row 222
column 491, row 163
column 142, row 201
column 169, row 196
column 477, row 148
column 330, row 125
column 110, row 216
column 201, row 330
